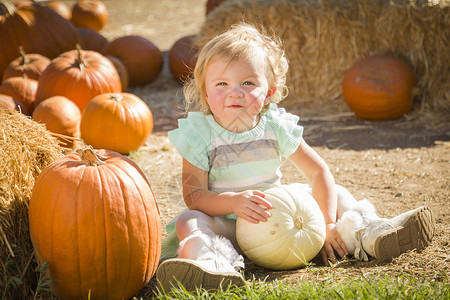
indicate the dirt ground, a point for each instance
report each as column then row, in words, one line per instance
column 398, row 165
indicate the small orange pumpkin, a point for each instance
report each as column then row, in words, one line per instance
column 144, row 61
column 91, row 39
column 94, row 218
column 183, row 57
column 79, row 75
column 8, row 102
column 91, row 14
column 31, row 64
column 121, row 69
column 60, row 115
column 59, row 6
column 22, row 89
column 120, row 122
column 379, row 87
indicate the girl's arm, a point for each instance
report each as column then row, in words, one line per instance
column 249, row 205
column 324, row 192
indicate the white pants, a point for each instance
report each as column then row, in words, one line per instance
column 195, row 221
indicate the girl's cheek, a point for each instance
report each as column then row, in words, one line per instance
column 258, row 94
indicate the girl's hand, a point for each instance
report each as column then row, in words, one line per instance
column 333, row 242
column 251, row 206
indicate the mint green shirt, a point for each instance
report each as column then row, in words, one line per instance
column 238, row 161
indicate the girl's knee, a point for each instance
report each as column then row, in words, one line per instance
column 190, row 221
column 344, row 195
column 345, row 200
column 189, row 216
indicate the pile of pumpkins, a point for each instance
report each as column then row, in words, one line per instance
column 57, row 62
column 92, row 214
column 57, row 68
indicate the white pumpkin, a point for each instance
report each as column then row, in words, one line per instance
column 291, row 237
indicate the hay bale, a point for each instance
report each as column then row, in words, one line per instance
column 26, row 147
column 325, row 38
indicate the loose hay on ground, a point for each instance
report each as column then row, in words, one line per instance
column 26, row 147
column 325, row 38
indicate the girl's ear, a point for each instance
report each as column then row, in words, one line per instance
column 269, row 95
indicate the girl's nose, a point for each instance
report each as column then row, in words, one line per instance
column 236, row 92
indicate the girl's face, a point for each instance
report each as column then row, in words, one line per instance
column 237, row 91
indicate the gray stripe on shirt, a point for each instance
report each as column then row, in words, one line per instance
column 227, row 155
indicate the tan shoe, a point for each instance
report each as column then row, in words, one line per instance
column 415, row 231
column 193, row 274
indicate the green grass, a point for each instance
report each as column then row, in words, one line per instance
column 373, row 287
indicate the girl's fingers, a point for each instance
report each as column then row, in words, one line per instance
column 338, row 249
column 260, row 212
column 324, row 256
column 343, row 246
column 328, row 254
column 255, row 214
column 253, row 217
column 342, row 251
column 259, row 199
column 259, row 193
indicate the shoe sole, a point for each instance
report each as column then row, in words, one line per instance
column 416, row 233
column 177, row 272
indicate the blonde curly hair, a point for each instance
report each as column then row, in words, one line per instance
column 240, row 41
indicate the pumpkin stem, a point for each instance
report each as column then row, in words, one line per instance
column 116, row 97
column 25, row 59
column 7, row 7
column 89, row 157
column 81, row 61
column 298, row 223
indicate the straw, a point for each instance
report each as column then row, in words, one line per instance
column 325, row 38
column 26, row 148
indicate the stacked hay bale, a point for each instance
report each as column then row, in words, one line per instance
column 324, row 38
column 26, row 147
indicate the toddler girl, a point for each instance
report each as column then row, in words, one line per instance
column 232, row 148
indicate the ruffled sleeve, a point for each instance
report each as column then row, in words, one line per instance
column 191, row 139
column 287, row 131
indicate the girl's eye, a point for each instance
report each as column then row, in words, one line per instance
column 248, row 83
column 222, row 83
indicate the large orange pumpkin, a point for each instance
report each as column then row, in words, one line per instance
column 94, row 218
column 144, row 61
column 61, row 116
column 58, row 6
column 31, row 64
column 79, row 75
column 379, row 87
column 120, row 122
column 183, row 57
column 36, row 28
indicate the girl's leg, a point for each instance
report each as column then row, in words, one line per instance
column 345, row 201
column 206, row 257
column 365, row 234
column 205, row 237
column 194, row 222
